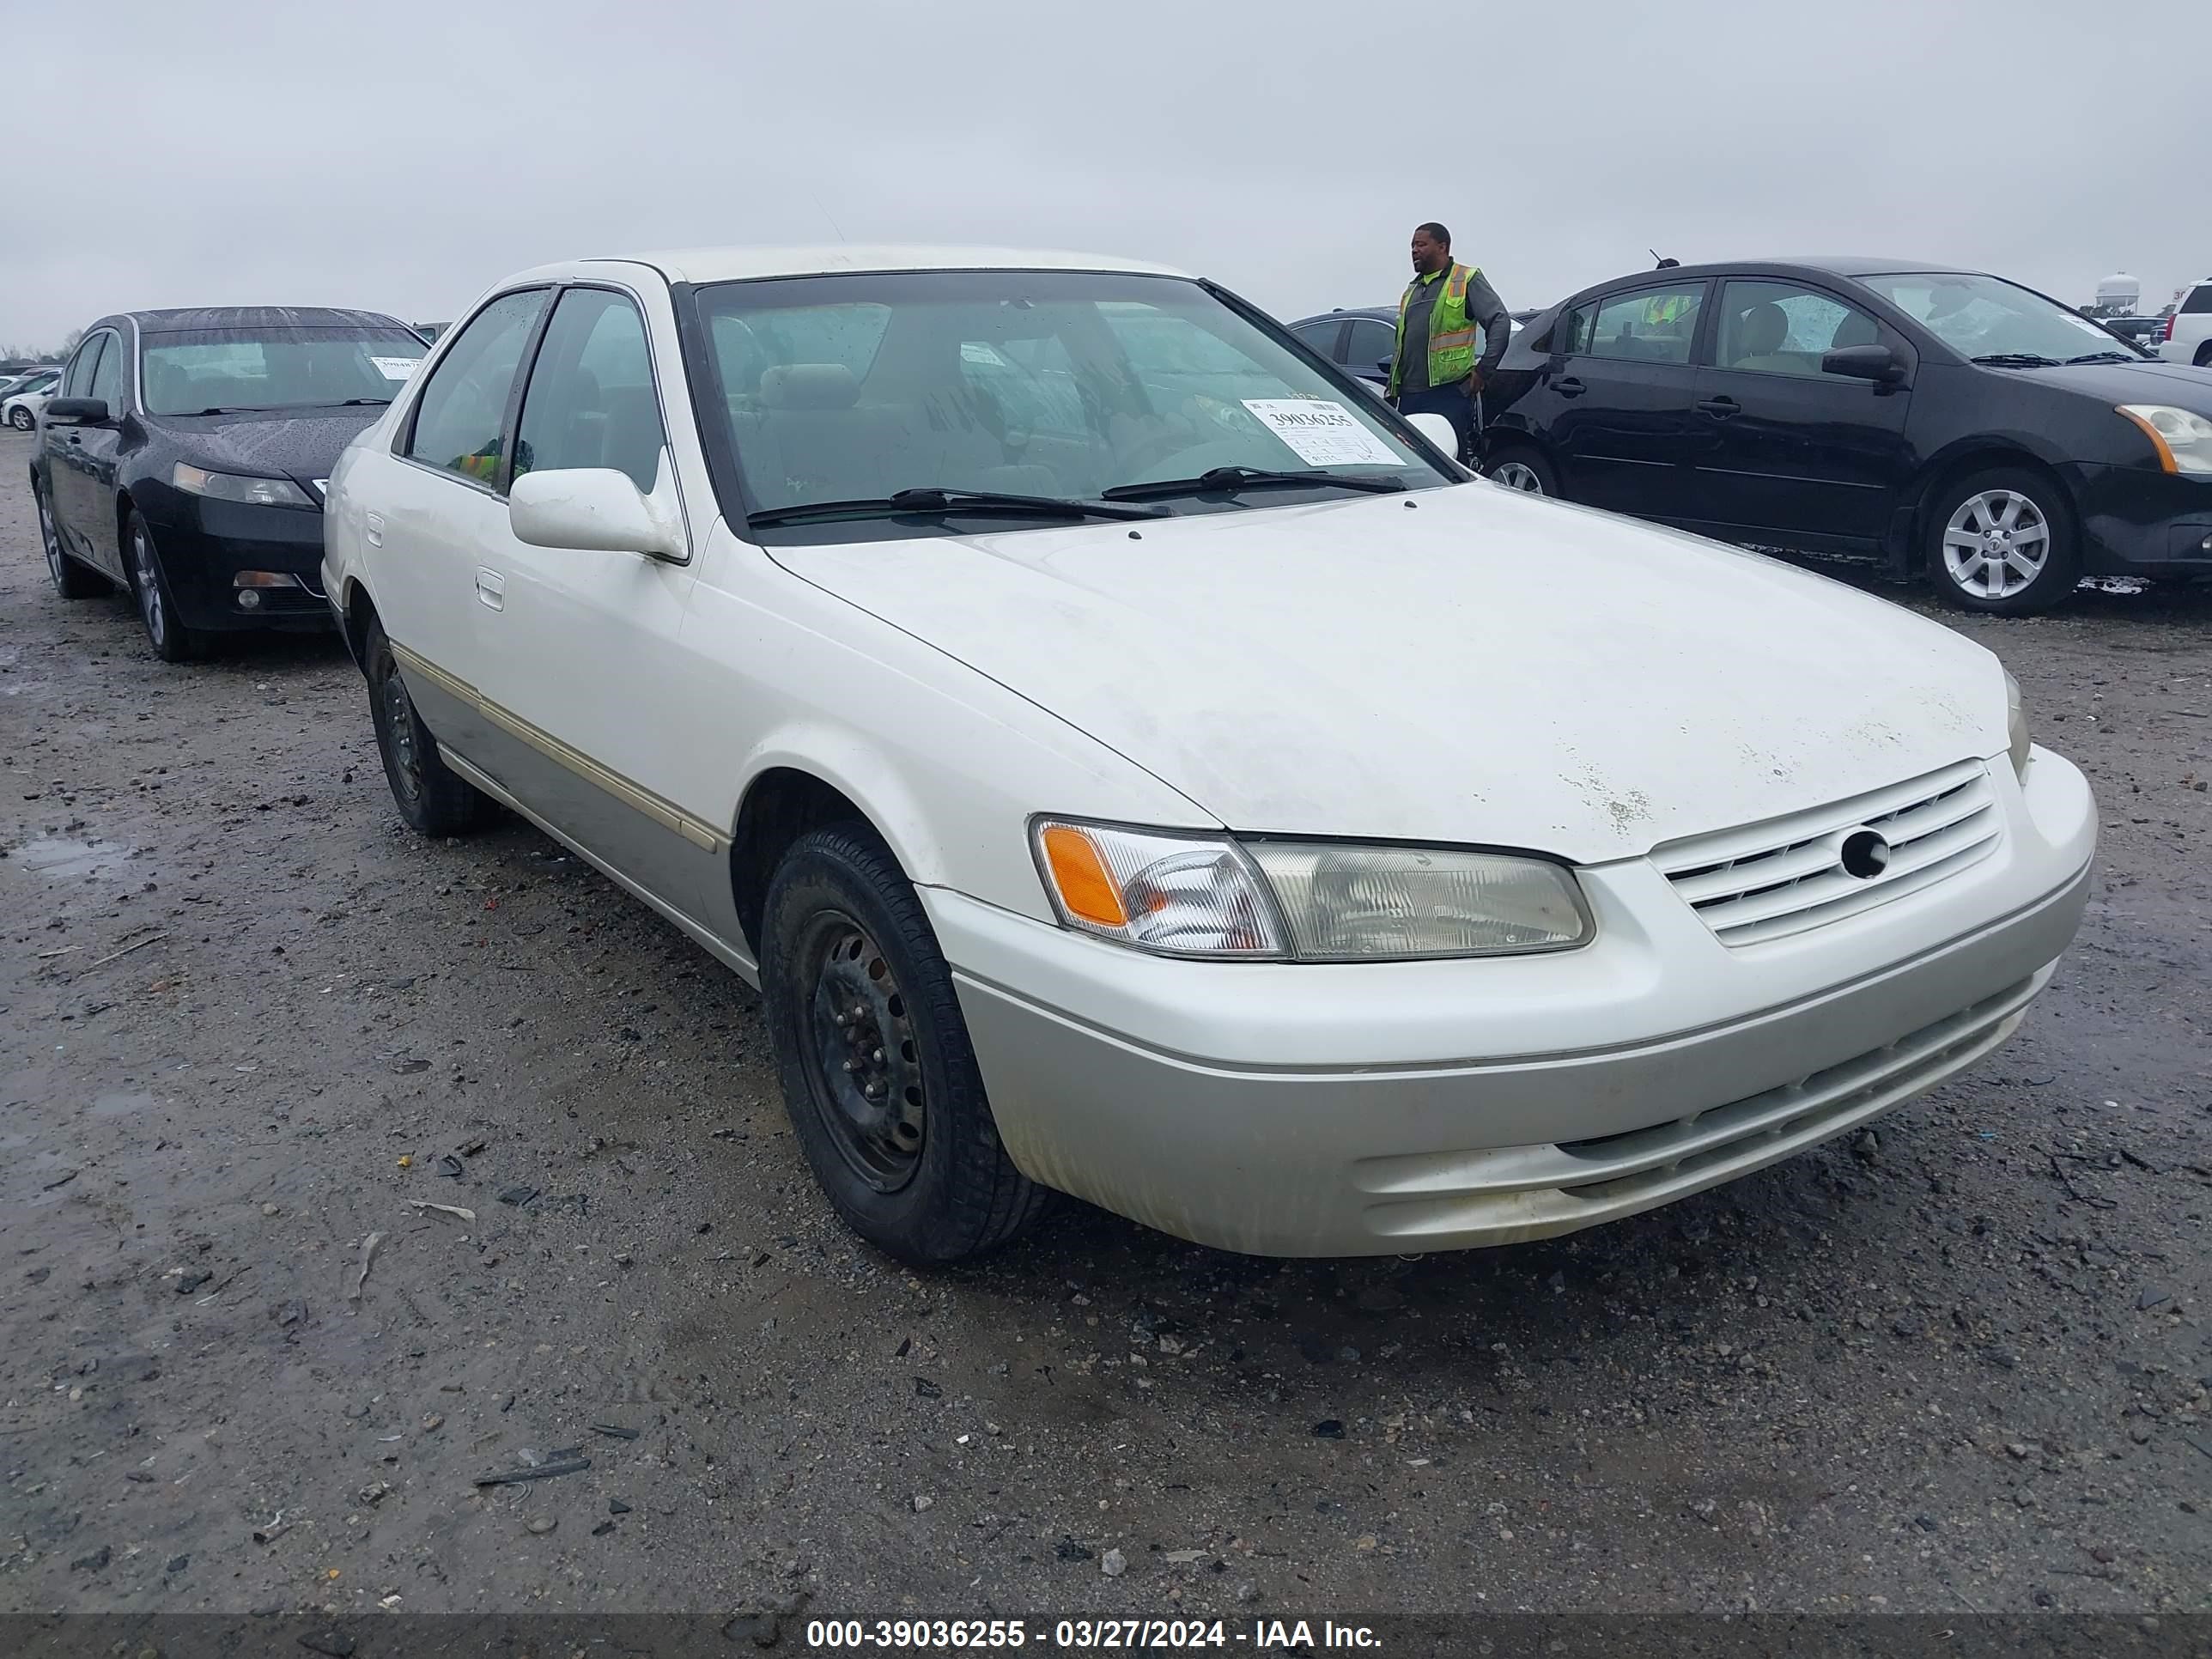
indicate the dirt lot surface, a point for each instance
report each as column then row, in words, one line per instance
column 1962, row 1364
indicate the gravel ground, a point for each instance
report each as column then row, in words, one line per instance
column 1963, row 1365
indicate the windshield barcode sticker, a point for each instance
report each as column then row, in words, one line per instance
column 395, row 368
column 1322, row 434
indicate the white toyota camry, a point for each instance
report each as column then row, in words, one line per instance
column 1132, row 764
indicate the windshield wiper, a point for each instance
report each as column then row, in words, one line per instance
column 1226, row 479
column 364, row 403
column 2105, row 358
column 937, row 500
column 239, row 409
column 2017, row 359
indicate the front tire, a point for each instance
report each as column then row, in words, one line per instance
column 879, row 1075
column 430, row 796
column 21, row 418
column 2002, row 543
column 172, row 640
column 1519, row 467
column 71, row 580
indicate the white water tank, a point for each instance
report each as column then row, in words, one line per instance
column 2118, row 293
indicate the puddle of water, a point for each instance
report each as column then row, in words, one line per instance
column 120, row 1102
column 66, row 857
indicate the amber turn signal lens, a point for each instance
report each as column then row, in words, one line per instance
column 1080, row 875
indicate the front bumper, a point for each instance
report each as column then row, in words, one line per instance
column 1304, row 1109
column 2140, row 521
column 203, row 544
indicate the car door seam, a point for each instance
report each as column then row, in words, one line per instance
column 659, row 808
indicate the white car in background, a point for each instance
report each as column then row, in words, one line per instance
column 2188, row 331
column 1131, row 762
column 23, row 397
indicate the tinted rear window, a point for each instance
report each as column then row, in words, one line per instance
column 2200, row 299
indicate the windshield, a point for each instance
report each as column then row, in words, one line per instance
column 1985, row 317
column 1045, row 384
column 276, row 368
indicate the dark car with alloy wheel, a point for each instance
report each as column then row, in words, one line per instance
column 184, row 457
column 1959, row 427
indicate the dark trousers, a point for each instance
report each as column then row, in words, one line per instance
column 1452, row 402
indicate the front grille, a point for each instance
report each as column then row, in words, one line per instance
column 1766, row 881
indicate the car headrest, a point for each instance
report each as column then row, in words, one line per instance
column 1766, row 326
column 810, row 385
column 1856, row 330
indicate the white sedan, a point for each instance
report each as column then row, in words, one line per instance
column 1133, row 764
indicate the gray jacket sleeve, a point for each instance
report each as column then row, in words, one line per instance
column 1486, row 308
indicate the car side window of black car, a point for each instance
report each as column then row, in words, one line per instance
column 1323, row 338
column 77, row 382
column 591, row 401
column 1785, row 328
column 107, row 378
column 1649, row 326
column 461, row 417
column 1372, row 342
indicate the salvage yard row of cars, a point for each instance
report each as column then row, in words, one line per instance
column 1130, row 760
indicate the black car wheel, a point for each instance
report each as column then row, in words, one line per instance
column 72, row 580
column 21, row 418
column 2204, row 355
column 2001, row 541
column 173, row 640
column 1519, row 467
column 878, row 1073
column 431, row 797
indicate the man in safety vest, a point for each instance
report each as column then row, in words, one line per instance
column 1434, row 370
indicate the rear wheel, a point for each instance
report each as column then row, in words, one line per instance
column 173, row 641
column 430, row 796
column 2204, row 355
column 2003, row 542
column 1519, row 467
column 878, row 1072
column 72, row 580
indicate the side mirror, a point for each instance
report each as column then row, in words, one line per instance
column 1863, row 362
column 1439, row 430
column 592, row 510
column 77, row 411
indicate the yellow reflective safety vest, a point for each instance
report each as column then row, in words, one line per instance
column 1451, row 333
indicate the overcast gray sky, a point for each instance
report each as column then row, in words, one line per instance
column 403, row 156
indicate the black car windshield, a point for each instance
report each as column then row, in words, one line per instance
column 1056, row 384
column 1986, row 316
column 312, row 368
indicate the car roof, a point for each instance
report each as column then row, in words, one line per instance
column 1380, row 313
column 726, row 265
column 1800, row 266
column 176, row 319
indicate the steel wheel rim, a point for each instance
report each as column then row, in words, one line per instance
column 52, row 539
column 1997, row 544
column 1518, row 475
column 866, row 1061
column 148, row 585
column 399, row 728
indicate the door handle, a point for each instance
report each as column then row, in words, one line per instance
column 491, row 588
column 1720, row 408
column 1570, row 387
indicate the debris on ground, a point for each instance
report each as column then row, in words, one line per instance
column 367, row 1256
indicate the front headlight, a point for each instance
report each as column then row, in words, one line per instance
column 1181, row 895
column 231, row 487
column 2016, row 736
column 2182, row 438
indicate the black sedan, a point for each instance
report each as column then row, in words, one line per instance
column 185, row 457
column 1957, row 425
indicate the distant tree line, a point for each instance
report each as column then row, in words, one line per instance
column 38, row 355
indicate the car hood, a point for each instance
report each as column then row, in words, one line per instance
column 1466, row 665
column 2150, row 381
column 300, row 444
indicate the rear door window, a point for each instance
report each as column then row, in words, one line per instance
column 2199, row 300
column 1372, row 342
column 1651, row 325
column 460, row 419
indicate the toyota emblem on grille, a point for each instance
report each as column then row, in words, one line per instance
column 1864, row 853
